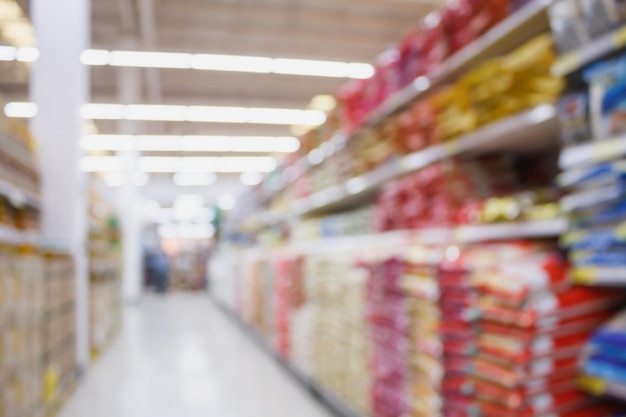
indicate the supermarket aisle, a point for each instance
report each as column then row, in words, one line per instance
column 179, row 356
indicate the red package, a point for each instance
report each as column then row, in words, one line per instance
column 520, row 351
column 492, row 369
column 514, row 398
column 547, row 307
column 568, row 326
column 555, row 404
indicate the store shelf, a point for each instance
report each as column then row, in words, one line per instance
column 600, row 275
column 521, row 26
column 592, row 153
column 527, row 230
column 574, row 61
column 526, row 131
column 335, row 405
column 18, row 196
column 435, row 236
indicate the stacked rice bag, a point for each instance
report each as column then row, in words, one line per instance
column 340, row 351
column 459, row 332
column 604, row 363
column 389, row 330
column 534, row 325
column 426, row 366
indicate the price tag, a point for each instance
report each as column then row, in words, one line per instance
column 591, row 384
column 608, row 150
column 619, row 38
column 585, row 276
column 566, row 64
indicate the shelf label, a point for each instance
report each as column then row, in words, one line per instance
column 592, row 384
column 566, row 64
column 608, row 150
column 585, row 276
column 619, row 38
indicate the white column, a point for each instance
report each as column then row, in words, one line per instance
column 130, row 204
column 60, row 87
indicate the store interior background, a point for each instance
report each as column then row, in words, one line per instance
column 389, row 196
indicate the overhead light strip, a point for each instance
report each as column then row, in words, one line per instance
column 166, row 164
column 206, row 114
column 167, row 143
column 205, row 62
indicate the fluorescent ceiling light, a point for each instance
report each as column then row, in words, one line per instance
column 8, row 53
column 150, row 59
column 155, row 112
column 174, row 143
column 251, row 178
column 103, row 111
column 231, row 63
column 311, row 67
column 215, row 114
column 95, row 57
column 168, row 164
column 27, row 54
column 206, row 62
column 114, row 179
column 21, row 110
column 194, row 179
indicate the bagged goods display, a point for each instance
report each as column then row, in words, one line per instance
column 458, row 192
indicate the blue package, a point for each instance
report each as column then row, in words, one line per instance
column 595, row 174
column 611, row 237
column 606, row 369
column 601, row 258
column 607, row 97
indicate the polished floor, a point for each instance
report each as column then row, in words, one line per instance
column 178, row 356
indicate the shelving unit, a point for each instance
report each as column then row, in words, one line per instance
column 529, row 130
column 527, row 22
column 18, row 196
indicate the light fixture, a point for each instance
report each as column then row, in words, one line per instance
column 149, row 59
column 231, row 63
column 194, row 179
column 174, row 143
column 21, row 110
column 8, row 53
column 208, row 62
column 171, row 164
column 27, row 54
column 95, row 57
column 226, row 201
column 214, row 114
column 251, row 178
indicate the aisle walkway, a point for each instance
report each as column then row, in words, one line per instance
column 181, row 357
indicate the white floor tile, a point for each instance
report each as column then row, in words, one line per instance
column 178, row 356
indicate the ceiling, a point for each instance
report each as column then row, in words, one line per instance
column 340, row 30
